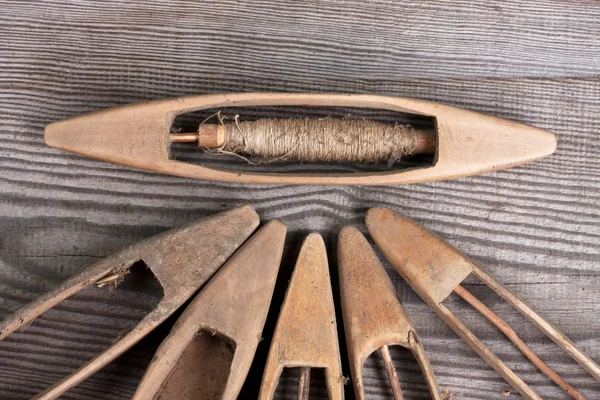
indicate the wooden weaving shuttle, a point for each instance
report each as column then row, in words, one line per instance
column 210, row 348
column 181, row 259
column 138, row 135
column 373, row 316
column 434, row 269
column 306, row 334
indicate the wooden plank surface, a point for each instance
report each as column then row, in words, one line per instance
column 536, row 228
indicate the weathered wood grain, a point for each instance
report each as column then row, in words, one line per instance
column 536, row 227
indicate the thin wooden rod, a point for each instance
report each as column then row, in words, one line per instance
column 552, row 332
column 304, row 383
column 183, row 137
column 513, row 337
column 423, row 361
column 391, row 372
column 484, row 352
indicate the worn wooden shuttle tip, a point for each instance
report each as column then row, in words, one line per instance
column 434, row 269
column 137, row 135
column 410, row 247
column 373, row 316
column 182, row 260
column 306, row 331
column 220, row 330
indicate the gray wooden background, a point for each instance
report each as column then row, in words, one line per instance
column 536, row 228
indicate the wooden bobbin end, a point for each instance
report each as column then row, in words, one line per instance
column 426, row 142
column 211, row 135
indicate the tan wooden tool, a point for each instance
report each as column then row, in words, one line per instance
column 434, row 269
column 138, row 135
column 182, row 260
column 306, row 332
column 373, row 317
column 210, row 349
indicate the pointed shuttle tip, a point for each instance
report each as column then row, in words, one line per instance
column 248, row 209
column 547, row 143
column 54, row 134
column 314, row 239
column 354, row 252
column 350, row 241
column 242, row 220
column 245, row 211
column 513, row 143
column 430, row 265
column 276, row 227
column 275, row 222
column 551, row 143
column 375, row 215
column 344, row 237
column 74, row 135
column 348, row 231
column 312, row 257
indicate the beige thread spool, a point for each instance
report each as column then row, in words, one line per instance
column 312, row 139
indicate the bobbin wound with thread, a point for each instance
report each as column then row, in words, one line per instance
column 314, row 139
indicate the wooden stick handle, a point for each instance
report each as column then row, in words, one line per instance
column 513, row 337
column 304, row 383
column 391, row 372
column 419, row 353
column 484, row 352
column 552, row 332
